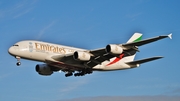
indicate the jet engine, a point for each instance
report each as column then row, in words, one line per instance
column 114, row 49
column 43, row 69
column 82, row 56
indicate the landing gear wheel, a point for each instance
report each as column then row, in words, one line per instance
column 18, row 59
column 18, row 63
column 68, row 74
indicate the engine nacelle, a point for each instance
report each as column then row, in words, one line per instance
column 43, row 69
column 114, row 49
column 82, row 56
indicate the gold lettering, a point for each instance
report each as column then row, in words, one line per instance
column 43, row 47
column 50, row 48
column 62, row 50
column 55, row 49
column 37, row 46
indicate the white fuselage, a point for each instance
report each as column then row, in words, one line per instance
column 40, row 51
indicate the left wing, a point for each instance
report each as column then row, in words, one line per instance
column 146, row 41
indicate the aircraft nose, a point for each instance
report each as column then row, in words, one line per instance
column 10, row 51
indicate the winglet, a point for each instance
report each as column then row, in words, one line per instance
column 170, row 35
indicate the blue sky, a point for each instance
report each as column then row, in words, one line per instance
column 90, row 24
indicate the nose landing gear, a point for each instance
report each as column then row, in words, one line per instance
column 18, row 63
column 18, row 59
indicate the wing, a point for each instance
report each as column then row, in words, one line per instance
column 143, row 60
column 146, row 41
column 99, row 56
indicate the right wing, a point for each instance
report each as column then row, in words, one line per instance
column 99, row 56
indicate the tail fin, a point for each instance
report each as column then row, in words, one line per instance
column 136, row 37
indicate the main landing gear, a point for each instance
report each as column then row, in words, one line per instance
column 68, row 74
column 18, row 59
column 79, row 73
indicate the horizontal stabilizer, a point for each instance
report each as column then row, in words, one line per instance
column 143, row 60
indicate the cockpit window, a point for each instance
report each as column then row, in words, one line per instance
column 15, row 45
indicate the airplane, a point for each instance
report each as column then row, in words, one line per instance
column 79, row 62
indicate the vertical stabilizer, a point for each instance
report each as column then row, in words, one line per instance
column 136, row 37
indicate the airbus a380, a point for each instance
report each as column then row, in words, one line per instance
column 81, row 61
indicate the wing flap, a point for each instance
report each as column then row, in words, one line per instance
column 143, row 60
column 99, row 59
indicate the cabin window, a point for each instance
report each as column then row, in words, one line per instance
column 16, row 45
